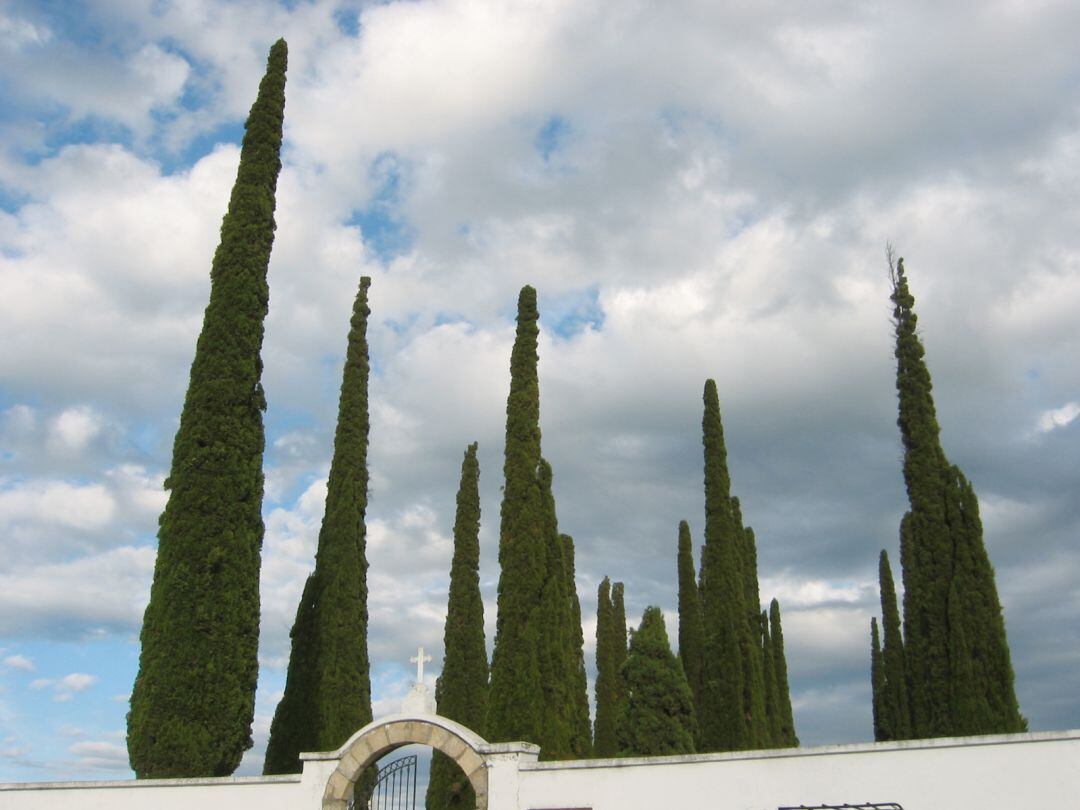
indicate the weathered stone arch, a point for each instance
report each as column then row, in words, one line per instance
column 463, row 746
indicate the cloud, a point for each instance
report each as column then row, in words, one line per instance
column 1058, row 417
column 19, row 662
column 66, row 600
column 92, row 755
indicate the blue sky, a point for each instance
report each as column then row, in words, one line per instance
column 696, row 190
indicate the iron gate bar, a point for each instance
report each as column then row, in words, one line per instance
column 393, row 790
column 864, row 806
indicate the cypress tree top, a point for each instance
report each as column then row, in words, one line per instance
column 193, row 700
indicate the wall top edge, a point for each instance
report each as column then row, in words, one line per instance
column 816, row 751
column 215, row 781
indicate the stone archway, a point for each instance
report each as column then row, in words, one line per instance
column 463, row 746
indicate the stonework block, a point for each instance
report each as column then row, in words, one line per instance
column 338, row 787
column 350, row 764
column 380, row 740
column 469, row 761
column 453, row 746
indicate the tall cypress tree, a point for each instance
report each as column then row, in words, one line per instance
column 461, row 691
column 516, row 709
column 788, row 738
column 328, row 686
column 732, row 715
column 691, row 632
column 895, row 722
column 194, row 696
column 658, row 718
column 959, row 669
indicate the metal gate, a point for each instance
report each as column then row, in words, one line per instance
column 865, row 806
column 394, row 788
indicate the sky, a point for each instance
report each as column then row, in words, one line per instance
column 696, row 190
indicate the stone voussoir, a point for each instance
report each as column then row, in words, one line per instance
column 469, row 761
column 338, row 786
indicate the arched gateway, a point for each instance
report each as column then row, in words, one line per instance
column 465, row 747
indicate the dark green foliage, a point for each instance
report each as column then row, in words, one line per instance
column 461, row 691
column 894, row 722
column 691, row 631
column 193, row 699
column 610, row 655
column 959, row 671
column 577, row 682
column 877, row 684
column 732, row 714
column 538, row 692
column 788, row 738
column 328, row 688
column 772, row 699
column 562, row 657
column 659, row 715
column 516, row 710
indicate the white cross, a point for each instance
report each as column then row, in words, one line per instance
column 419, row 660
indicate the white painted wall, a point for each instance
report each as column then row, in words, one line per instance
column 1010, row 772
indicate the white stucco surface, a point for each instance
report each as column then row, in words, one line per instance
column 1009, row 772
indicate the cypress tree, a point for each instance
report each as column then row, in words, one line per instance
column 732, row 715
column 959, row 670
column 193, row 699
column 788, row 737
column 772, row 699
column 607, row 675
column 659, row 715
column 877, row 684
column 461, row 690
column 619, row 643
column 896, row 718
column 562, row 659
column 516, row 709
column 580, row 727
column 328, row 687
column 691, row 632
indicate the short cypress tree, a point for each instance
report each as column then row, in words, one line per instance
column 877, row 684
column 328, row 686
column 516, row 709
column 896, row 717
column 951, row 691
column 691, row 632
column 788, row 738
column 461, row 691
column 580, row 727
column 659, row 715
column 194, row 696
column 562, row 657
column 607, row 675
column 772, row 699
column 619, row 642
